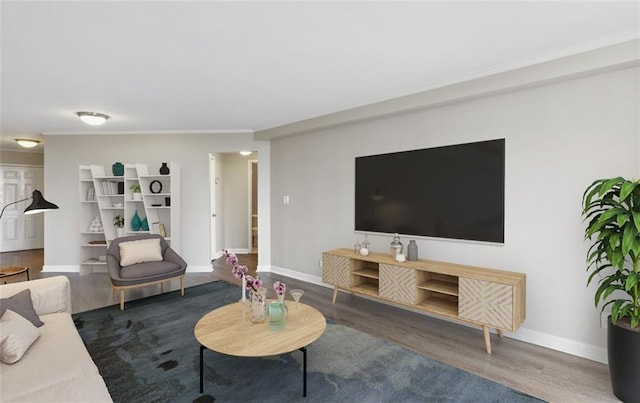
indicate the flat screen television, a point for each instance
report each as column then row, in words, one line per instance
column 454, row 192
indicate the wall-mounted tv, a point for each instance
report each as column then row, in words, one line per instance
column 454, row 191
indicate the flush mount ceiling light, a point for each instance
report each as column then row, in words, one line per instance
column 245, row 153
column 93, row 118
column 27, row 143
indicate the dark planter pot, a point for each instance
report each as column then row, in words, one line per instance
column 623, row 347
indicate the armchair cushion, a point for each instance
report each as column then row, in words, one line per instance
column 148, row 270
column 140, row 251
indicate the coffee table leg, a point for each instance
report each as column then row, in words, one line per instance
column 201, row 369
column 304, row 371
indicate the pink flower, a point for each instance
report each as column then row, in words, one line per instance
column 232, row 259
column 239, row 270
column 253, row 283
column 280, row 288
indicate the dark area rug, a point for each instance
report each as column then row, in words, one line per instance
column 148, row 353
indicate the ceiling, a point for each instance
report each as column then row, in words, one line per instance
column 205, row 66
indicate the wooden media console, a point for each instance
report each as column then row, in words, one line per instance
column 485, row 297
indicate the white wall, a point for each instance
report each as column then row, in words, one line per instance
column 559, row 138
column 64, row 153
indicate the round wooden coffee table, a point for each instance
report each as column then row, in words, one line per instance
column 223, row 330
column 13, row 271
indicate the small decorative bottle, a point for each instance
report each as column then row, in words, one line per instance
column 412, row 251
column 396, row 246
column 164, row 169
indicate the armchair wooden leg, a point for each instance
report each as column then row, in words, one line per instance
column 122, row 299
column 182, row 286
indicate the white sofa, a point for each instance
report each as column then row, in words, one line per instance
column 57, row 367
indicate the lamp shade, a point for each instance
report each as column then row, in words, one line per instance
column 39, row 204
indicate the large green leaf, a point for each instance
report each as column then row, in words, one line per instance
column 626, row 189
column 610, row 183
column 621, row 219
column 591, row 191
column 628, row 237
column 636, row 219
column 614, row 240
column 632, row 281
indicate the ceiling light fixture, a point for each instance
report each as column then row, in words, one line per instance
column 27, row 143
column 245, row 153
column 93, row 118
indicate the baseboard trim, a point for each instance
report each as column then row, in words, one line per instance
column 308, row 278
column 562, row 344
column 61, row 268
column 199, row 269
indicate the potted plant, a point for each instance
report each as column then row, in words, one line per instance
column 118, row 222
column 136, row 191
column 612, row 209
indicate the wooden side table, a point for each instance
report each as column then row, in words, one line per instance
column 13, row 271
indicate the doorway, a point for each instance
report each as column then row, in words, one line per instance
column 253, row 206
column 233, row 183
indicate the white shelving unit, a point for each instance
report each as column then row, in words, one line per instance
column 111, row 196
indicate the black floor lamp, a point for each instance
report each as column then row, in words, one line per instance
column 39, row 204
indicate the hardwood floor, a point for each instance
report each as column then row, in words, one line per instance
column 538, row 371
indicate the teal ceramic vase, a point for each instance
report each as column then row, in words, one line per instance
column 277, row 313
column 144, row 225
column 136, row 223
column 117, row 169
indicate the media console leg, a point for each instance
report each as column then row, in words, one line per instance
column 501, row 333
column 304, row 371
column 487, row 339
column 335, row 294
column 201, row 369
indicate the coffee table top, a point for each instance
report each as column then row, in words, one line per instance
column 223, row 330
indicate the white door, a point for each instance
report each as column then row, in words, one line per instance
column 19, row 231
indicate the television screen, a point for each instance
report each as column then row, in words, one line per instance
column 452, row 192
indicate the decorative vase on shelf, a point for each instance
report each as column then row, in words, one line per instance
column 135, row 221
column 396, row 246
column 412, row 251
column 144, row 225
column 258, row 305
column 164, row 169
column 117, row 169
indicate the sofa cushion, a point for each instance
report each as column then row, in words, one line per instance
column 59, row 356
column 17, row 334
column 140, row 251
column 21, row 304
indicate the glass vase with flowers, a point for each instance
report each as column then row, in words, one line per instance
column 257, row 293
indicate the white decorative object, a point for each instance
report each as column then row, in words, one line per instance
column 96, row 225
column 364, row 251
column 400, row 257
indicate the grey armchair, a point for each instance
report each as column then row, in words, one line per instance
column 141, row 274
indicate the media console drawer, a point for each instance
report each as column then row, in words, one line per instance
column 480, row 296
